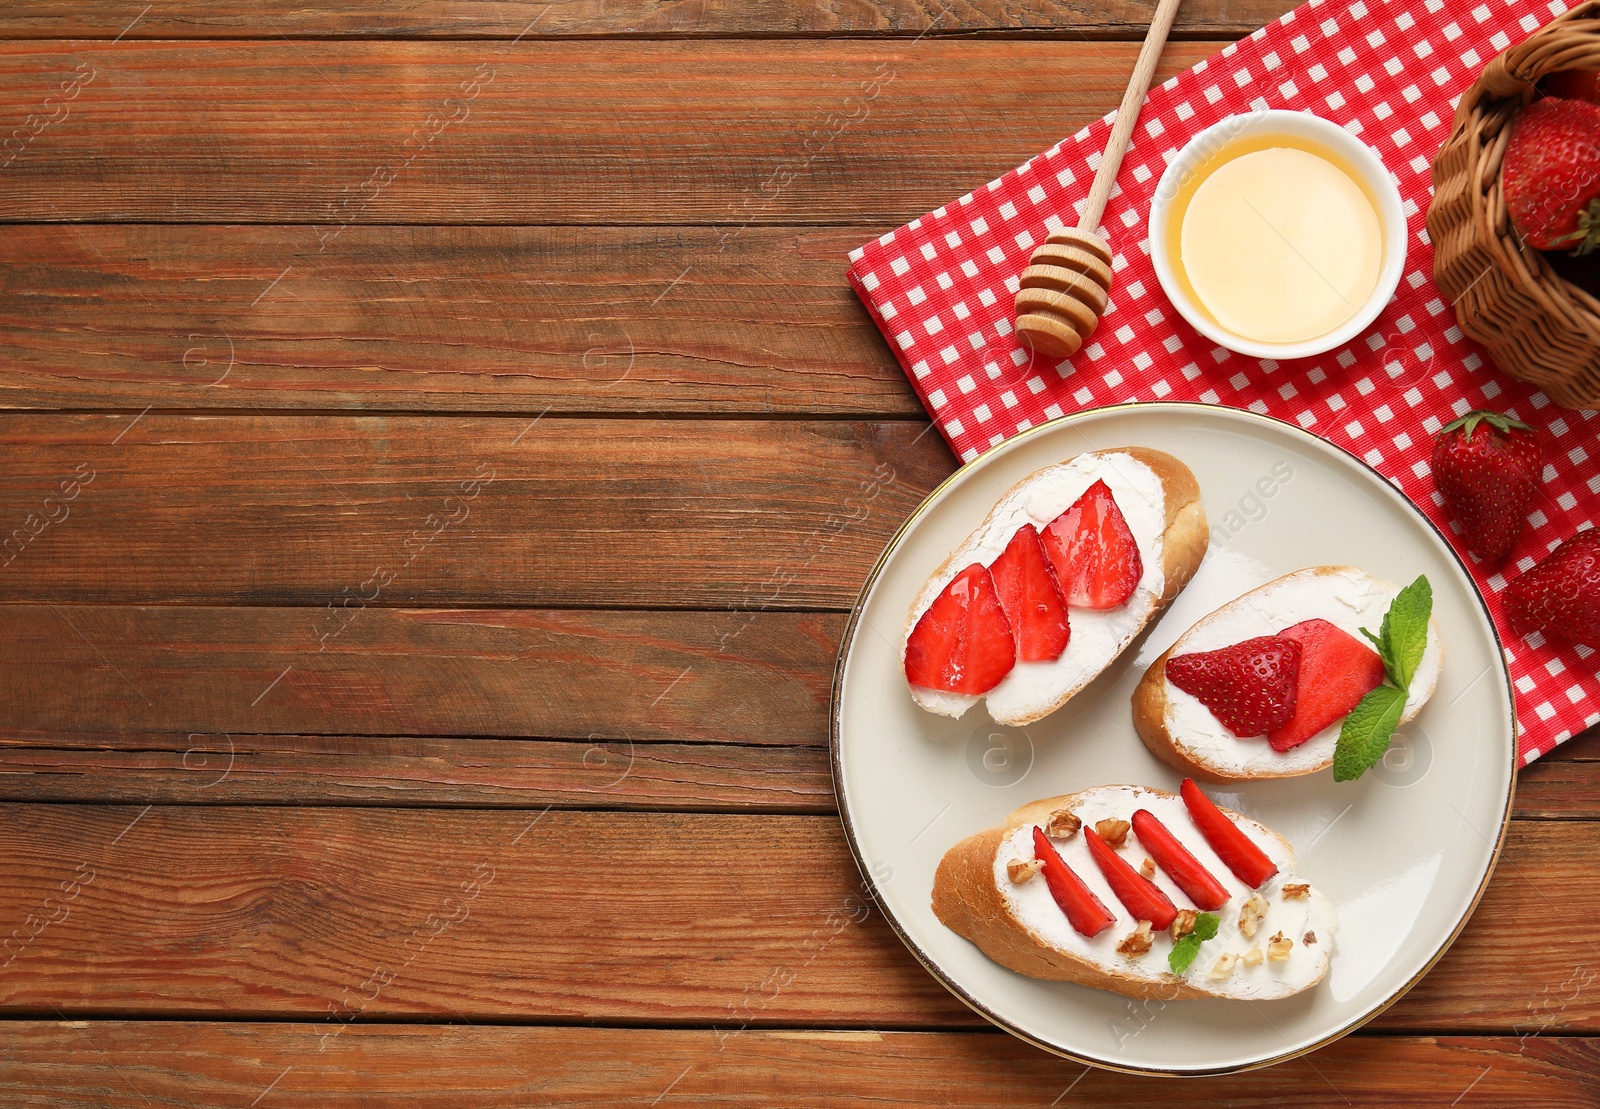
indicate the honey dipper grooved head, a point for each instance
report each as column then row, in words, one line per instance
column 1063, row 291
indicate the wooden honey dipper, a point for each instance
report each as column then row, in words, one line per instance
column 1066, row 283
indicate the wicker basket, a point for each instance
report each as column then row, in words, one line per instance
column 1536, row 326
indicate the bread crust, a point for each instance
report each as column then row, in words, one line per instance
column 1150, row 706
column 1184, row 539
column 967, row 901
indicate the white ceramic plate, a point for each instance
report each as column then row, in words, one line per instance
column 1405, row 852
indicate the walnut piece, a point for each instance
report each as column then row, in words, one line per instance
column 1114, row 832
column 1278, row 948
column 1137, row 942
column 1063, row 824
column 1297, row 891
column 1020, row 870
column 1224, row 965
column 1252, row 958
column 1251, row 913
column 1148, row 868
column 1309, row 938
column 1182, row 924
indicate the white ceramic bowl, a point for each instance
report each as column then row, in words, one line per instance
column 1355, row 153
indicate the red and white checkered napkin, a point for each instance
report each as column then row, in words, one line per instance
column 941, row 290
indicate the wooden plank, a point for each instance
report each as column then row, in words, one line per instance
column 593, row 132
column 325, row 511
column 197, row 674
column 221, row 769
column 227, row 769
column 593, row 916
column 1562, row 788
column 149, row 702
column 535, row 19
column 132, row 1065
column 441, row 318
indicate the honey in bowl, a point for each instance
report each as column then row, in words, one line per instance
column 1276, row 239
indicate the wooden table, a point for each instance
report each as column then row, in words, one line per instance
column 417, row 640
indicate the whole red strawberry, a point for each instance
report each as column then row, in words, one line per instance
column 1561, row 595
column 1488, row 467
column 1551, row 174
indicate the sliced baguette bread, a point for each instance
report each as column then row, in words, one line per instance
column 1160, row 500
column 1019, row 925
column 1183, row 733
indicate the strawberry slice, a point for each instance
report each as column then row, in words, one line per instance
column 1094, row 555
column 1189, row 874
column 1138, row 894
column 1032, row 599
column 1249, row 686
column 1336, row 671
column 1085, row 912
column 962, row 644
column 1236, row 850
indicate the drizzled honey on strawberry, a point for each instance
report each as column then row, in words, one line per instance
column 1018, row 608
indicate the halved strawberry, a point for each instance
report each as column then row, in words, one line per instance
column 1175, row 861
column 1138, row 894
column 1085, row 912
column 1336, row 671
column 1249, row 686
column 962, row 644
column 1237, row 851
column 1028, row 592
column 1094, row 555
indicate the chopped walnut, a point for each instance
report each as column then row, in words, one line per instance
column 1278, row 948
column 1114, row 832
column 1224, row 965
column 1020, row 870
column 1148, row 868
column 1182, row 924
column 1137, row 942
column 1309, row 938
column 1063, row 824
column 1297, row 891
column 1252, row 958
column 1251, row 913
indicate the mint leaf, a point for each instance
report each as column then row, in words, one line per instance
column 1184, row 951
column 1366, row 732
column 1404, row 634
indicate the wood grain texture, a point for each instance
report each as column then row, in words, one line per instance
column 153, row 703
column 440, row 318
column 132, row 1065
column 534, row 19
column 319, row 511
column 595, row 916
column 198, row 674
column 726, row 133
column 225, row 769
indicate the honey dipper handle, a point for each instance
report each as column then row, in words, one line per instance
column 1128, row 114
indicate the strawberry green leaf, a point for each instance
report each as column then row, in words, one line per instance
column 1365, row 734
column 1469, row 423
column 1184, row 951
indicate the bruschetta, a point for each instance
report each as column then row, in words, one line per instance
column 1072, row 563
column 1260, row 688
column 1139, row 891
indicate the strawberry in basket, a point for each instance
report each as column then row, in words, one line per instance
column 1551, row 175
